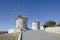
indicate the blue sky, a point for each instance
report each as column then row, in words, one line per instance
column 42, row 10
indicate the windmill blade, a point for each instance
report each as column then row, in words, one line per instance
column 18, row 11
column 24, row 11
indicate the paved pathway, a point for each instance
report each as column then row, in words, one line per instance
column 39, row 35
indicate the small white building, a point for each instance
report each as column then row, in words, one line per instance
column 41, row 27
column 13, row 30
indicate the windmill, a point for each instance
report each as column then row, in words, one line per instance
column 15, row 12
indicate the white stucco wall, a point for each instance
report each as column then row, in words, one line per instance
column 53, row 30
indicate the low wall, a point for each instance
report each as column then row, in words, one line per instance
column 13, row 30
column 53, row 30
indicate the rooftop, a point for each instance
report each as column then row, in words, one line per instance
column 21, row 16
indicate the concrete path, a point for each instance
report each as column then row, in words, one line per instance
column 39, row 35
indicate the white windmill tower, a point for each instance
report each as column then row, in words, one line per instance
column 35, row 25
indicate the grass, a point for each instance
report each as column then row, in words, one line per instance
column 9, row 36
